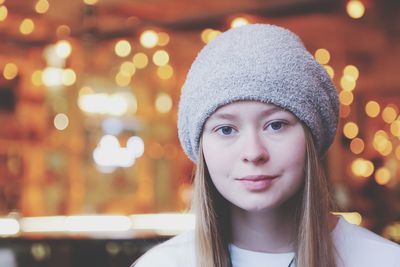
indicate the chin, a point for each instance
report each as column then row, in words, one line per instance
column 257, row 208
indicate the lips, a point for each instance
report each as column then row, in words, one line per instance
column 255, row 178
column 256, row 183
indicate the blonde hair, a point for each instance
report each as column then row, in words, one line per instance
column 313, row 243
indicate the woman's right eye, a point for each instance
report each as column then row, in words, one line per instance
column 225, row 130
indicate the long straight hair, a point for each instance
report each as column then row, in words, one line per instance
column 313, row 243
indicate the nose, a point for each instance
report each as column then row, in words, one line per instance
column 254, row 149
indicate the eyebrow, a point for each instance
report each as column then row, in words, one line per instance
column 229, row 116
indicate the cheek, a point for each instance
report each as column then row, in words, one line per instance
column 298, row 148
column 209, row 152
column 216, row 162
column 298, row 168
column 295, row 160
column 298, row 160
column 216, row 159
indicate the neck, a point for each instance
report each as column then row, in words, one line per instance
column 269, row 231
column 264, row 231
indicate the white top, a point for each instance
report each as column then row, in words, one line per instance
column 356, row 246
column 7, row 258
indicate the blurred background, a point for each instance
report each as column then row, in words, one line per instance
column 91, row 170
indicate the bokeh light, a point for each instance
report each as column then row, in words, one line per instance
column 392, row 232
column 149, row 39
column 140, row 60
column 204, row 34
column 63, row 49
column 109, row 152
column 346, row 98
column 214, row 34
column 381, row 134
column 163, row 38
column 122, row 79
column 322, row 56
column 395, row 128
column 9, row 226
column 3, row 13
column 351, row 71
column 362, row 167
column 36, row 78
column 10, row 71
column 350, row 217
column 42, row 6
column 61, row 121
column 382, row 176
column 372, row 109
column 355, row 9
column 128, row 68
column 27, row 26
column 90, row 2
column 86, row 90
column 68, row 77
column 160, row 58
column 165, row 72
column 116, row 104
column 389, row 114
column 357, row 146
column 208, row 35
column 348, row 83
column 350, row 130
column 387, row 149
column 163, row 103
column 63, row 31
column 136, row 145
column 239, row 21
column 122, row 48
column 381, row 143
column 52, row 76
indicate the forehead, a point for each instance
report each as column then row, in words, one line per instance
column 246, row 107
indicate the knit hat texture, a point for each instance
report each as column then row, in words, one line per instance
column 258, row 62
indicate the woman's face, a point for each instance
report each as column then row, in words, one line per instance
column 255, row 154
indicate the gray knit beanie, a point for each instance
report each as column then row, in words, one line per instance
column 258, row 62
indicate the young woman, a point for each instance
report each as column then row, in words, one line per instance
column 256, row 115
